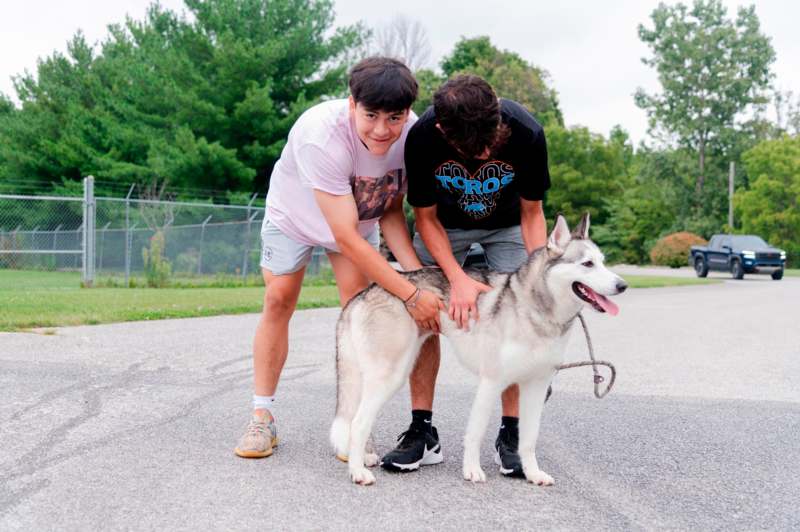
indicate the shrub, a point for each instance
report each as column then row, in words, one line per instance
column 673, row 250
column 187, row 262
column 157, row 269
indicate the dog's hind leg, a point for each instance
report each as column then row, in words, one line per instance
column 531, row 403
column 348, row 388
column 378, row 388
column 488, row 393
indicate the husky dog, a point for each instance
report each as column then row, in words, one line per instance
column 520, row 338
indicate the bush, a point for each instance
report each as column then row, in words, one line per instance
column 673, row 250
column 157, row 269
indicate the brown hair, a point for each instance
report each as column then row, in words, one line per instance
column 383, row 84
column 468, row 112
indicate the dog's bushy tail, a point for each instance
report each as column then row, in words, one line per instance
column 348, row 387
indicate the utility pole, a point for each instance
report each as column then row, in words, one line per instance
column 730, row 194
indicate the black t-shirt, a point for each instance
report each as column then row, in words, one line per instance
column 477, row 194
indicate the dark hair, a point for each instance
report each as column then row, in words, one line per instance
column 468, row 112
column 383, row 84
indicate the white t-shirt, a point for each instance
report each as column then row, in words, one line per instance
column 323, row 152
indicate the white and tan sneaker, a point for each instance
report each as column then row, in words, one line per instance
column 260, row 437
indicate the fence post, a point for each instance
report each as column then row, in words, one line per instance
column 128, row 247
column 88, row 231
column 33, row 245
column 55, row 236
column 55, row 239
column 127, row 236
column 202, row 241
column 245, row 260
column 102, row 246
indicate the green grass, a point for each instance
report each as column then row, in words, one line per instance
column 657, row 281
column 792, row 272
column 51, row 299
column 36, row 299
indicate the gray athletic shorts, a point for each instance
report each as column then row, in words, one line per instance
column 504, row 248
column 281, row 255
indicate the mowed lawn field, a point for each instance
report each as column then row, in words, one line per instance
column 51, row 299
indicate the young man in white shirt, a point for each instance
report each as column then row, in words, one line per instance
column 339, row 177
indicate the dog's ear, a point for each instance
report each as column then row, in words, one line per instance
column 582, row 231
column 559, row 237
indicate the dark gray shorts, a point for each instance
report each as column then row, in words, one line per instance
column 504, row 248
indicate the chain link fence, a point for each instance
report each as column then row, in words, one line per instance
column 112, row 239
column 41, row 233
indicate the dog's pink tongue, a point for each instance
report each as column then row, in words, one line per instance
column 607, row 304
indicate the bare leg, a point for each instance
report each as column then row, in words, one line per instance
column 349, row 279
column 510, row 400
column 423, row 377
column 271, row 343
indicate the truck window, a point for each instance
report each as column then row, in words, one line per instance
column 714, row 244
column 726, row 241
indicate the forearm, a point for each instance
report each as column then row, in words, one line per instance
column 533, row 226
column 395, row 233
column 438, row 244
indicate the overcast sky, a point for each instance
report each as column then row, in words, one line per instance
column 591, row 49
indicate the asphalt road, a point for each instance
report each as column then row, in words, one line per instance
column 132, row 426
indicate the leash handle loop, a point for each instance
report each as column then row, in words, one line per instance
column 594, row 363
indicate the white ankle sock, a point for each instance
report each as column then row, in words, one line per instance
column 264, row 402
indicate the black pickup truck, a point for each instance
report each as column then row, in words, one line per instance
column 738, row 254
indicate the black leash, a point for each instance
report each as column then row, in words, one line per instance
column 594, row 363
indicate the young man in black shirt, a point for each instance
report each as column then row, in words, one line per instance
column 477, row 172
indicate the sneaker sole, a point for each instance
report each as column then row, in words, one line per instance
column 432, row 457
column 257, row 454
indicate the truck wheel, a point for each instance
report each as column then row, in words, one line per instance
column 700, row 266
column 777, row 274
column 737, row 270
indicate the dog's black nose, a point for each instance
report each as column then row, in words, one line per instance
column 621, row 287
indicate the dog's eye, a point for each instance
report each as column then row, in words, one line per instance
column 588, row 264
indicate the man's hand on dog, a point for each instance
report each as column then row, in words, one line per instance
column 426, row 311
column 464, row 291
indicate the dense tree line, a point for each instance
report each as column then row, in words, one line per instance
column 204, row 103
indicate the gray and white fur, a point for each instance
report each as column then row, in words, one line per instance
column 520, row 338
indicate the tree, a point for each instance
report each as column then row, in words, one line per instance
column 771, row 207
column 428, row 81
column 710, row 69
column 586, row 171
column 404, row 39
column 205, row 102
column 6, row 106
column 787, row 112
column 508, row 73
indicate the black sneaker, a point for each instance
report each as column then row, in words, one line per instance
column 506, row 453
column 416, row 447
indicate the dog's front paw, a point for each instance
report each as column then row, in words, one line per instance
column 362, row 476
column 539, row 478
column 474, row 473
column 371, row 459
